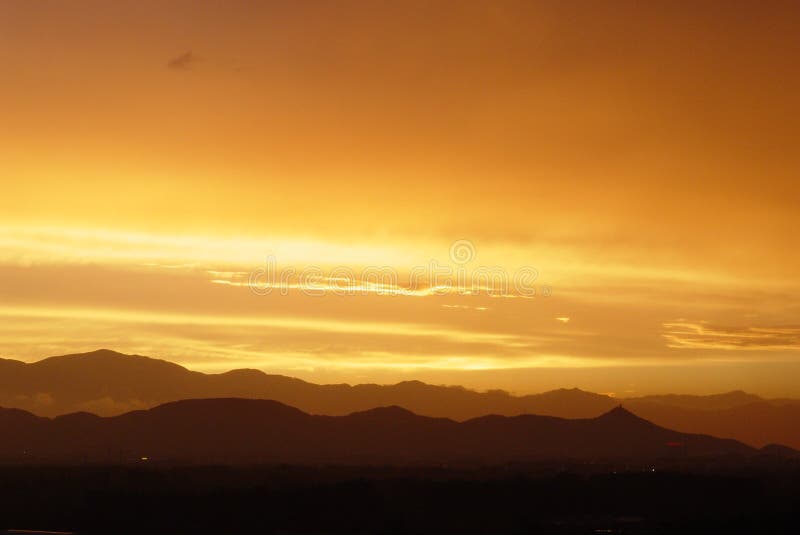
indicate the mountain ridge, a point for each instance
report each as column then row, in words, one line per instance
column 107, row 382
column 234, row 430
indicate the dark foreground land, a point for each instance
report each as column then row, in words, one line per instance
column 721, row 496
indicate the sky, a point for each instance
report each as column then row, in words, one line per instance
column 507, row 194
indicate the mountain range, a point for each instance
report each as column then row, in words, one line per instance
column 108, row 383
column 234, row 431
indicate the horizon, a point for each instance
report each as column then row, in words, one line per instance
column 567, row 388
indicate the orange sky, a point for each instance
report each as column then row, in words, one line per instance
column 641, row 156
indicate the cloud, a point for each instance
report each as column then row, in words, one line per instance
column 701, row 335
column 182, row 62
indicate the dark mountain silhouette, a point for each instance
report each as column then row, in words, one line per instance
column 778, row 450
column 266, row 431
column 727, row 400
column 108, row 383
column 758, row 423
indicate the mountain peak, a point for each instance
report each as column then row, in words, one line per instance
column 620, row 413
column 229, row 407
column 571, row 392
column 102, row 352
column 392, row 411
column 110, row 357
column 779, row 450
column 411, row 383
column 97, row 354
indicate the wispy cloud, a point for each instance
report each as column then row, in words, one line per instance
column 701, row 335
column 466, row 307
column 308, row 325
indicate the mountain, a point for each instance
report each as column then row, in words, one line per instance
column 108, row 383
column 266, row 431
column 778, row 450
column 727, row 400
column 757, row 424
column 105, row 382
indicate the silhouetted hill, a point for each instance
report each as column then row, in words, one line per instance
column 266, row 431
column 778, row 450
column 108, row 383
column 757, row 424
column 726, row 400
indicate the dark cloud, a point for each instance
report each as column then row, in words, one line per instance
column 184, row 61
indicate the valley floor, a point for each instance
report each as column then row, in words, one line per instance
column 715, row 497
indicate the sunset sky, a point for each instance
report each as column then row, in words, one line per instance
column 639, row 158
